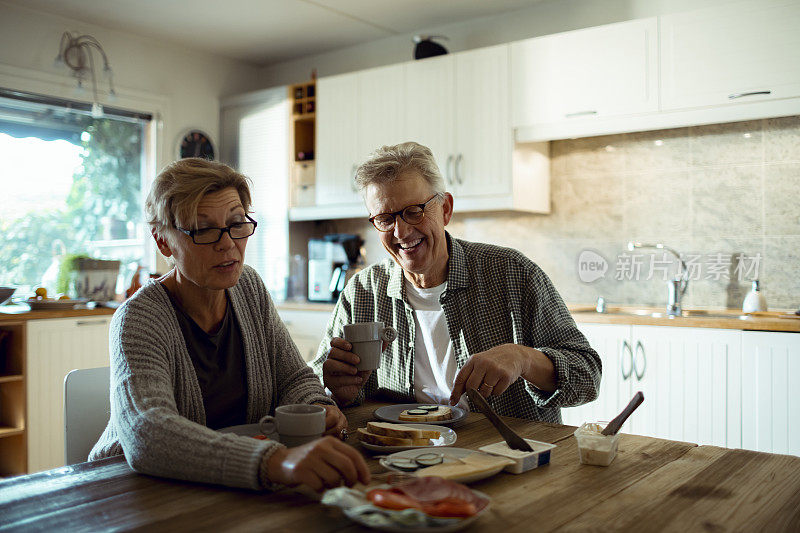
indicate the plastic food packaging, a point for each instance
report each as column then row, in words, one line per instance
column 523, row 461
column 594, row 448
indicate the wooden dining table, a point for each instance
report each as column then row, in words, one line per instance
column 652, row 485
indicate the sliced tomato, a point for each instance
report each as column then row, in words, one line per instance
column 390, row 499
column 450, row 508
column 261, row 437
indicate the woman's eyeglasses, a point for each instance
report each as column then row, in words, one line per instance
column 237, row 230
column 411, row 214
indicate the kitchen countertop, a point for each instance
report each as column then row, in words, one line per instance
column 21, row 313
column 719, row 319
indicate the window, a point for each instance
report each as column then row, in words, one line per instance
column 258, row 147
column 71, row 185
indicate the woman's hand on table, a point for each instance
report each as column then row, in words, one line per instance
column 339, row 372
column 335, row 421
column 321, row 464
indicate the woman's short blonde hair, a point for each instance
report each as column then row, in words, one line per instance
column 179, row 187
column 387, row 163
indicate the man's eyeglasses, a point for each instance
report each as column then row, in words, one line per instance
column 411, row 214
column 237, row 230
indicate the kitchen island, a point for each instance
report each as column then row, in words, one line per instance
column 652, row 485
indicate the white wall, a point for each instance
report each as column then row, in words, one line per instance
column 546, row 17
column 185, row 86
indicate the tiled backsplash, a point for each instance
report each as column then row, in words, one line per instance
column 723, row 195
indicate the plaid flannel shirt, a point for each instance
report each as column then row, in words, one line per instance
column 494, row 295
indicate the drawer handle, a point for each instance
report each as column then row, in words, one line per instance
column 640, row 346
column 626, row 346
column 580, row 114
column 90, row 322
column 742, row 95
column 457, row 167
column 448, row 168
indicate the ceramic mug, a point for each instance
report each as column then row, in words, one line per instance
column 296, row 423
column 367, row 339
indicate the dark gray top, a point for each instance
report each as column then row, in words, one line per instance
column 218, row 360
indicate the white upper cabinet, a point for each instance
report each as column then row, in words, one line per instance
column 585, row 74
column 745, row 52
column 336, row 144
column 457, row 105
column 381, row 109
column 429, row 107
column 483, row 138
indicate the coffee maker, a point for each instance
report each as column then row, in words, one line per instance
column 332, row 261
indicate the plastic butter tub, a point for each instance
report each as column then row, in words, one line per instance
column 594, row 448
column 523, row 461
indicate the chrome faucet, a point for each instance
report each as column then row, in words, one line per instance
column 677, row 286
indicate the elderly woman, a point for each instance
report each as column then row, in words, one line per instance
column 203, row 348
column 468, row 314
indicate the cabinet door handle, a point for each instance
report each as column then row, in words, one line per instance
column 449, row 169
column 581, row 113
column 751, row 93
column 90, row 322
column 626, row 346
column 640, row 346
column 457, row 166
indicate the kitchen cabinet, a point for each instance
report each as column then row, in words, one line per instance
column 337, row 145
column 457, row 105
column 381, row 109
column 560, row 82
column 357, row 113
column 306, row 329
column 742, row 53
column 690, row 377
column 54, row 348
column 770, row 393
column 13, row 457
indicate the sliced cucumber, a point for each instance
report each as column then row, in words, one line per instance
column 429, row 459
column 417, row 412
column 405, row 464
column 428, row 407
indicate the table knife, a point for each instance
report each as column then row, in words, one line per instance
column 514, row 441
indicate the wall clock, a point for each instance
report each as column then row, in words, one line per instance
column 196, row 143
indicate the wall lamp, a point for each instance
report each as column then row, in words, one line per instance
column 76, row 52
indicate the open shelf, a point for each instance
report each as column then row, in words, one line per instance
column 11, row 378
column 6, row 431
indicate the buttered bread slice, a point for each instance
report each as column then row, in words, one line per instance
column 442, row 412
column 401, row 431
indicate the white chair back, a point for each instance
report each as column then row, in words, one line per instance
column 87, row 409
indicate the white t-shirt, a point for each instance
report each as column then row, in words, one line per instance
column 435, row 366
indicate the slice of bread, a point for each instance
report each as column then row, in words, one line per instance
column 442, row 413
column 401, row 431
column 383, row 440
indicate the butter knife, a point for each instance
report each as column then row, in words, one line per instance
column 514, row 441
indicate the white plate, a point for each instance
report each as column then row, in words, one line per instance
column 447, row 438
column 451, row 455
column 41, row 305
column 452, row 525
column 391, row 413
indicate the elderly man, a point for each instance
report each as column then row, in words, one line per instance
column 468, row 315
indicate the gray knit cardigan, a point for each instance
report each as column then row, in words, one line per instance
column 157, row 415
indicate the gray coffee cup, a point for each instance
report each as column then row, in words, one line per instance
column 296, row 423
column 367, row 339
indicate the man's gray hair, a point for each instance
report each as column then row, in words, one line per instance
column 387, row 163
